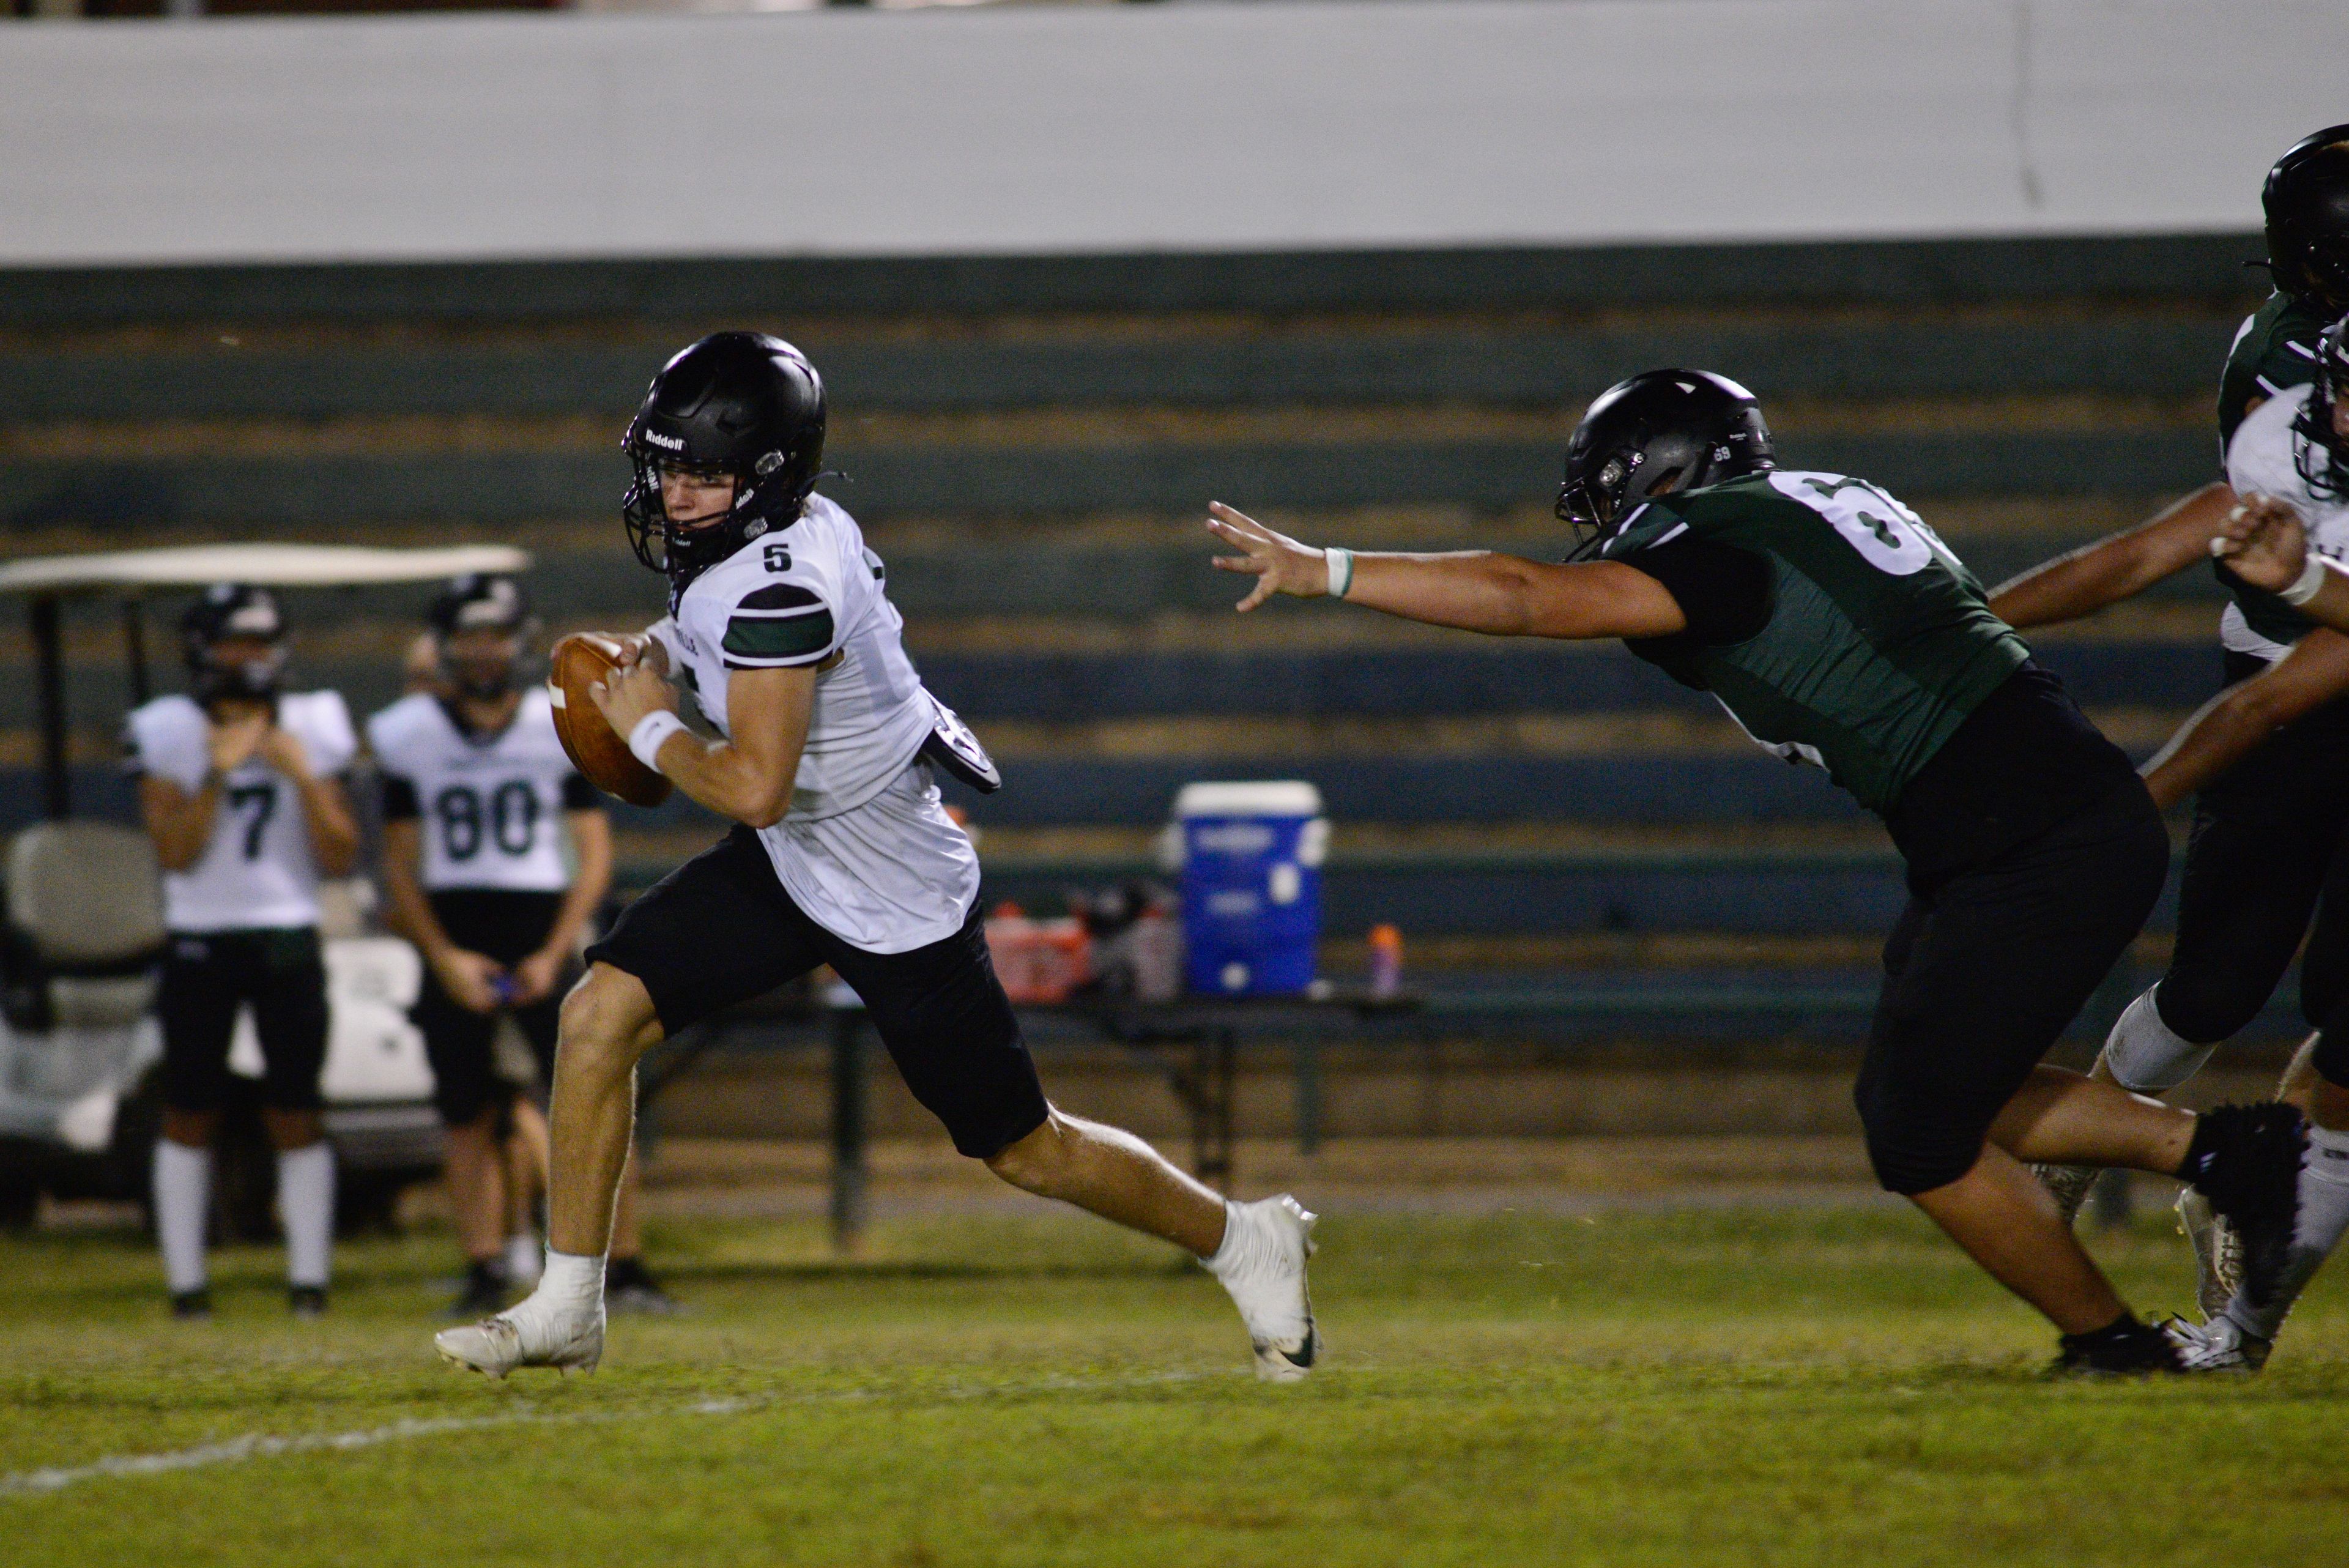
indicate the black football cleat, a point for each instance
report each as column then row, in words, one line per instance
column 629, row 1288
column 2246, row 1160
column 2127, row 1349
column 307, row 1302
column 191, row 1306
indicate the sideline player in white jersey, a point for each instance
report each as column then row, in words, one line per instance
column 843, row 855
column 238, row 784
column 2270, row 842
column 478, row 798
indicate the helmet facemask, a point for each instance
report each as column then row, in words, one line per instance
column 229, row 615
column 480, row 626
column 482, row 677
column 683, row 550
column 1590, row 505
column 2321, row 453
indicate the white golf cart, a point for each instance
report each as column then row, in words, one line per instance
column 83, row 929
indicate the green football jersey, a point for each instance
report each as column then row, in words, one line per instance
column 1878, row 645
column 2274, row 348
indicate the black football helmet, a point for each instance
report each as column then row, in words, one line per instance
column 482, row 601
column 1661, row 429
column 2307, row 202
column 230, row 610
column 740, row 404
column 2321, row 454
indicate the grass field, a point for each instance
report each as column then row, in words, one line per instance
column 1734, row 1386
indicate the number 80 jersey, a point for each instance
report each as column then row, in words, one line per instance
column 490, row 808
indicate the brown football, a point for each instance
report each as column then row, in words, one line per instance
column 602, row 757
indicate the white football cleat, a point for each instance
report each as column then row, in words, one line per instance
column 2218, row 1252
column 2220, row 1346
column 498, row 1344
column 1262, row 1264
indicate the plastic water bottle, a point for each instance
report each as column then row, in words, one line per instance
column 1386, row 961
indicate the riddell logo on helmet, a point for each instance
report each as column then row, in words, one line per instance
column 674, row 443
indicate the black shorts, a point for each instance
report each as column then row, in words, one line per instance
column 2265, row 857
column 460, row 1043
column 206, row 977
column 720, row 930
column 1983, row 973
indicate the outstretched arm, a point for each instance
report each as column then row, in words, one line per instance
column 2116, row 568
column 2316, row 671
column 1476, row 590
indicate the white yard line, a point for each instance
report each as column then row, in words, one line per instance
column 263, row 1446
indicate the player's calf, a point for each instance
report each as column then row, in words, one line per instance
column 1257, row 1249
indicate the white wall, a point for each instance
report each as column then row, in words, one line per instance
column 1272, row 125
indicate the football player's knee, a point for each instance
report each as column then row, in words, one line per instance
column 2204, row 1008
column 1911, row 1151
column 601, row 1021
column 2324, row 997
column 1036, row 1163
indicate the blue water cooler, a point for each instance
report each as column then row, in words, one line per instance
column 1252, row 857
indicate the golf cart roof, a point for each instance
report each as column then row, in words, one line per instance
column 268, row 565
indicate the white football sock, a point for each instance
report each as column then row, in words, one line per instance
column 524, row 1261
column 2324, row 1216
column 2147, row 1056
column 305, row 1201
column 568, row 1301
column 1262, row 1267
column 183, row 1202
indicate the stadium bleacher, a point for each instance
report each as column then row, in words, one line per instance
column 1029, row 445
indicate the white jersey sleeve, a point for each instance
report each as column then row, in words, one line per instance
column 321, row 721
column 170, row 739
column 787, row 615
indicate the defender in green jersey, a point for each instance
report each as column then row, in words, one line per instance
column 1837, row 630
column 2306, row 201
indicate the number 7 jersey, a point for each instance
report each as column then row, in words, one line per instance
column 488, row 807
column 256, row 871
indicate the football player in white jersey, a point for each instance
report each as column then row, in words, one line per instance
column 843, row 855
column 478, row 798
column 2267, row 867
column 239, row 785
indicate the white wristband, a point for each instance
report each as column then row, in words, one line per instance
column 1342, row 570
column 652, row 733
column 2312, row 577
